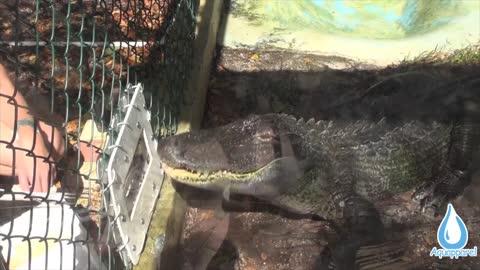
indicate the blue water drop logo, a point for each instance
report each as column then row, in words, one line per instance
column 452, row 233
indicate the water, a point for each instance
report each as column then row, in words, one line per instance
column 374, row 19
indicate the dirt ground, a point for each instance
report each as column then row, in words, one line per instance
column 250, row 235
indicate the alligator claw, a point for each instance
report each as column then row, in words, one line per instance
column 424, row 191
column 429, row 199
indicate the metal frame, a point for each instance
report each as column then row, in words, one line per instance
column 133, row 224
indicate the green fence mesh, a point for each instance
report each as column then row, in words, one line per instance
column 70, row 60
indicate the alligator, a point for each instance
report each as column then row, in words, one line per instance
column 335, row 169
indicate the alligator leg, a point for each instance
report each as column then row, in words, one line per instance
column 362, row 226
column 456, row 174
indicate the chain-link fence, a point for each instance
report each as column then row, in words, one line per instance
column 65, row 63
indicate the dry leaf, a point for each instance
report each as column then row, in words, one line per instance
column 255, row 57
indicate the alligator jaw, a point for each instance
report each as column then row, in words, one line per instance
column 273, row 179
column 197, row 178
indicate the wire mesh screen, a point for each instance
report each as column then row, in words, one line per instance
column 64, row 64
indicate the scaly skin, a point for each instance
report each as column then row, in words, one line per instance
column 333, row 169
column 385, row 158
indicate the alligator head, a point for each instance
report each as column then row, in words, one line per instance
column 259, row 156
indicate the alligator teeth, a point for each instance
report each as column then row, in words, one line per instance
column 311, row 121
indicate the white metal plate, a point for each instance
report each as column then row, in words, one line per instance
column 134, row 173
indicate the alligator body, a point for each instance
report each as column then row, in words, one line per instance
column 305, row 163
column 333, row 169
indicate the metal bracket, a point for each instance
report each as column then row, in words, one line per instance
column 134, row 173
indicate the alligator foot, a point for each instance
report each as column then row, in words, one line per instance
column 432, row 197
column 363, row 227
column 429, row 200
